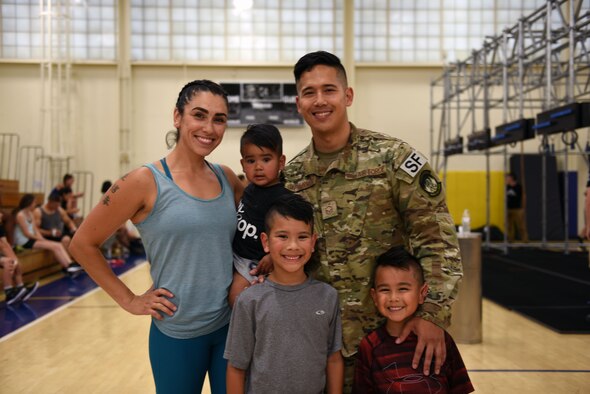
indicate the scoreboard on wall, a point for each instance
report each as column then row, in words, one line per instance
column 271, row 102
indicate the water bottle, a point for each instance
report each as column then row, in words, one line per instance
column 466, row 222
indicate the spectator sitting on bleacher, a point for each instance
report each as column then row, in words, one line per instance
column 51, row 220
column 129, row 238
column 69, row 198
column 27, row 236
column 69, row 204
column 68, row 182
column 125, row 240
column 14, row 287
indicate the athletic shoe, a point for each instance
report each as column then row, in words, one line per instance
column 72, row 272
column 74, row 267
column 72, row 275
column 14, row 295
column 30, row 290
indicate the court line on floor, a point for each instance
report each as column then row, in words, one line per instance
column 115, row 306
column 59, row 309
column 532, row 370
column 543, row 270
column 551, row 307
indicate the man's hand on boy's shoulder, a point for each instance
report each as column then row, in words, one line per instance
column 263, row 268
column 431, row 338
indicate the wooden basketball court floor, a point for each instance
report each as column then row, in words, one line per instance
column 93, row 346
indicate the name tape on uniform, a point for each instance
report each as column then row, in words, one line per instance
column 414, row 163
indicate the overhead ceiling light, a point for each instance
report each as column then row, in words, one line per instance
column 242, row 5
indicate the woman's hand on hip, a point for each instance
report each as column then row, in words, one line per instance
column 153, row 302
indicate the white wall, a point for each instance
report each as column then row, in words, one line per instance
column 20, row 101
column 393, row 100
column 96, row 124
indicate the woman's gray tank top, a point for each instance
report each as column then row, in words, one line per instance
column 188, row 242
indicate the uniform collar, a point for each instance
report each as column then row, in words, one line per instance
column 345, row 162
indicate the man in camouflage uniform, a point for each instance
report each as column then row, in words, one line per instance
column 370, row 192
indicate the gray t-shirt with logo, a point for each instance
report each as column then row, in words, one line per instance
column 283, row 336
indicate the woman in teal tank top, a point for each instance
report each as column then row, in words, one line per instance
column 185, row 210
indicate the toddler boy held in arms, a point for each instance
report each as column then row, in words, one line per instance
column 382, row 366
column 261, row 147
column 285, row 334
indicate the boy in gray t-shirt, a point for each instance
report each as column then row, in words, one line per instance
column 285, row 334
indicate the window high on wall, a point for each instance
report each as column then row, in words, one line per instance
column 427, row 31
column 235, row 31
column 265, row 31
column 88, row 26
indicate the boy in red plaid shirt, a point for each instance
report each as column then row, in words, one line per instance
column 382, row 366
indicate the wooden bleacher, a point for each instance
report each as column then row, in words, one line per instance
column 10, row 196
column 35, row 264
column 9, row 185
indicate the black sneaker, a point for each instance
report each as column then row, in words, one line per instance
column 30, row 290
column 14, row 295
column 73, row 268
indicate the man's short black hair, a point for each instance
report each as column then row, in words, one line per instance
column 263, row 135
column 398, row 257
column 54, row 196
column 291, row 206
column 312, row 59
column 67, row 177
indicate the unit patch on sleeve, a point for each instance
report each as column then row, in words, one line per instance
column 430, row 184
column 413, row 163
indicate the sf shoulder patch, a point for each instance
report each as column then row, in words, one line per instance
column 413, row 163
column 430, row 184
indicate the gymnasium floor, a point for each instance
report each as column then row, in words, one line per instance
column 54, row 292
column 90, row 345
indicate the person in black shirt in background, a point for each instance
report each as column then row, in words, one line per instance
column 516, row 212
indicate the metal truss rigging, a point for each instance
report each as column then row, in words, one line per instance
column 533, row 79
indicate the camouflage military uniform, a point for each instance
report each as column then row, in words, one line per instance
column 378, row 193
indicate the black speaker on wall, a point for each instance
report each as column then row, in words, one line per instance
column 533, row 184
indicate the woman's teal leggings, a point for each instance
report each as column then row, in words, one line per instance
column 179, row 365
